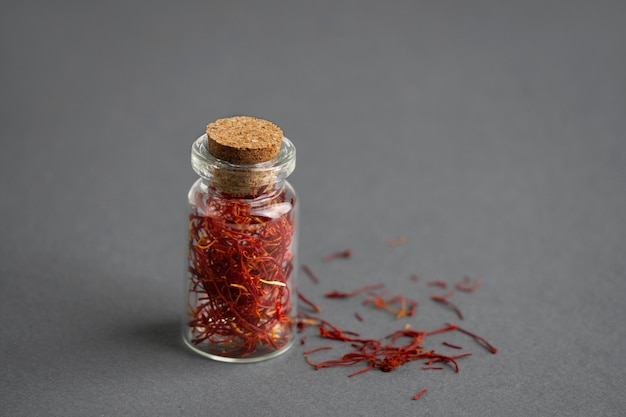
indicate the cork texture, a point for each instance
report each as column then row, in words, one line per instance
column 244, row 139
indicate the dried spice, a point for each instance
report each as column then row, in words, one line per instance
column 465, row 285
column 398, row 348
column 440, row 284
column 386, row 354
column 422, row 392
column 309, row 302
column 239, row 267
column 407, row 305
column 444, row 299
column 241, row 251
column 339, row 294
column 340, row 254
column 307, row 270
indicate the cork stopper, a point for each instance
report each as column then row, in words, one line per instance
column 244, row 139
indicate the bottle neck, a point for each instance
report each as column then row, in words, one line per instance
column 263, row 190
column 243, row 180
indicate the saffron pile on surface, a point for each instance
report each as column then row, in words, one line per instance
column 399, row 347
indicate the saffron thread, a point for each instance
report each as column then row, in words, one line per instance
column 307, row 270
column 339, row 294
column 419, row 394
column 451, row 345
column 339, row 254
column 465, row 286
column 309, row 302
column 442, row 299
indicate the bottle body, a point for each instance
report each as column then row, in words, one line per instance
column 240, row 303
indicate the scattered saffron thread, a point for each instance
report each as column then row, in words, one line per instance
column 338, row 294
column 379, row 354
column 310, row 274
column 339, row 254
column 308, row 352
column 309, row 302
column 419, row 394
column 407, row 305
column 479, row 339
column 388, row 353
column 451, row 345
column 443, row 299
column 465, row 286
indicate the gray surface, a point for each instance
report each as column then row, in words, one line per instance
column 491, row 134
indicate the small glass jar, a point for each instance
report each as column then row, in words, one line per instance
column 240, row 300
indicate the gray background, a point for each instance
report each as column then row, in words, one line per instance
column 490, row 133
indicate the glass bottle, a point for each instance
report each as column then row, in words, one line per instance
column 240, row 294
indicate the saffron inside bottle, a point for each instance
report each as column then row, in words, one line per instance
column 240, row 303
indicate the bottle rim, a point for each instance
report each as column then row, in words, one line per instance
column 205, row 164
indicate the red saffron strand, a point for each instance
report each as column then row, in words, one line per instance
column 444, row 300
column 309, row 302
column 447, row 294
column 339, row 294
column 440, row 284
column 358, row 316
column 479, row 339
column 451, row 345
column 419, row 394
column 464, row 285
column 379, row 301
column 339, row 254
column 310, row 274
column 412, row 307
column 449, row 327
column 367, row 368
column 317, row 349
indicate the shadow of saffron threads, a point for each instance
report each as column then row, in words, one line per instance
column 310, row 274
column 339, row 254
column 415, row 278
column 309, row 302
column 358, row 316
